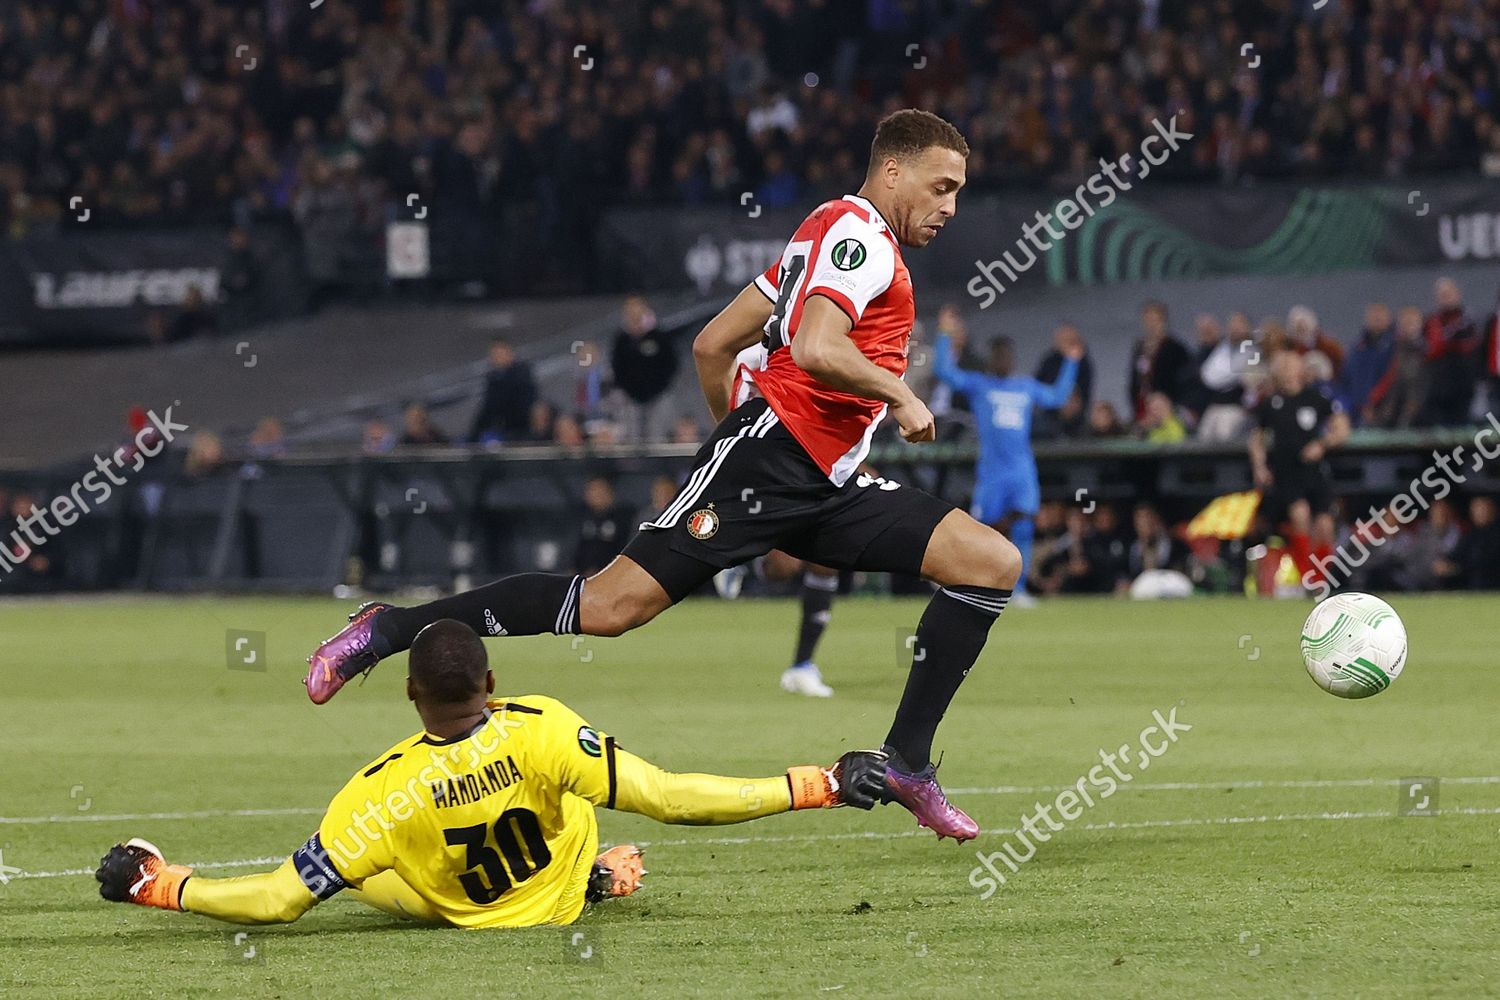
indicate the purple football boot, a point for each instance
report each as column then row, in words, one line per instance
column 345, row 656
column 923, row 796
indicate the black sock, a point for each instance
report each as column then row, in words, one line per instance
column 524, row 604
column 817, row 602
column 949, row 637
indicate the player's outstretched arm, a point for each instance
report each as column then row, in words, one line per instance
column 739, row 325
column 714, row 800
column 136, row 872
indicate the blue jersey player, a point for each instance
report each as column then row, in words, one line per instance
column 1006, row 491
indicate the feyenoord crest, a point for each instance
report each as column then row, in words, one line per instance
column 703, row 523
column 848, row 254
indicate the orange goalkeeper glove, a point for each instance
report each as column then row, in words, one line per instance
column 855, row 779
column 136, row 872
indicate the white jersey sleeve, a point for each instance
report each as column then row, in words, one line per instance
column 854, row 263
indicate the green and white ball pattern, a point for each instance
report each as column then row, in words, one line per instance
column 1354, row 645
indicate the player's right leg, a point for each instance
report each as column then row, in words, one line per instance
column 620, row 597
column 668, row 559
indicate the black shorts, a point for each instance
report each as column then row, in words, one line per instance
column 1310, row 483
column 753, row 489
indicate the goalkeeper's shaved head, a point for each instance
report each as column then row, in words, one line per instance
column 448, row 665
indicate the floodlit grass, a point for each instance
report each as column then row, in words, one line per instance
column 1260, row 855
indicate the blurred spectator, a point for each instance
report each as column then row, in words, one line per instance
column 350, row 109
column 588, row 382
column 543, row 417
column 241, row 280
column 1479, row 559
column 194, row 318
column 1071, row 419
column 1439, row 547
column 326, row 210
column 605, row 528
column 644, row 363
column 1306, row 335
column 379, row 439
column 1369, row 359
column 417, row 427
column 663, row 492
column 509, row 393
column 1399, row 397
column 268, row 440
column 1154, row 547
column 1453, row 346
column 35, row 568
column 1274, row 338
column 687, row 431
column 1159, row 363
column 1087, row 558
column 1161, row 425
column 1104, row 420
column 1420, row 555
column 567, row 431
column 1320, row 374
column 1219, row 387
column 205, row 456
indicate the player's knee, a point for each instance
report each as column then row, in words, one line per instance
column 991, row 561
column 1004, row 563
column 983, row 558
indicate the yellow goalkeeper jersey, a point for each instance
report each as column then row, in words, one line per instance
column 493, row 829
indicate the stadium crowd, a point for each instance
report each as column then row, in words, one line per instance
column 529, row 117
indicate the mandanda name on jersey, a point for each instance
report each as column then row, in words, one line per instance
column 466, row 788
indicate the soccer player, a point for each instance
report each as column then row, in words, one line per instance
column 1006, row 491
column 483, row 819
column 835, row 316
column 819, row 585
column 1292, row 469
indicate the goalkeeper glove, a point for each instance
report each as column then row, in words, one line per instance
column 136, row 872
column 617, row 872
column 856, row 779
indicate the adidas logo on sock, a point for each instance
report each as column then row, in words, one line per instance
column 494, row 627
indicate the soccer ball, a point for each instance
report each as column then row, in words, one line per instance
column 1354, row 645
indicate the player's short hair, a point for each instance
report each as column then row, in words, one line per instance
column 448, row 662
column 1003, row 343
column 907, row 133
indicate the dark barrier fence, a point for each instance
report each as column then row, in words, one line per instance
column 451, row 516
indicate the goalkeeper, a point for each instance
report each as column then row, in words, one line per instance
column 483, row 819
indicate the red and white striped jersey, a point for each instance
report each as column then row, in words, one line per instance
column 845, row 251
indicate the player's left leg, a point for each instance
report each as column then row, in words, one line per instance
column 976, row 569
column 881, row 526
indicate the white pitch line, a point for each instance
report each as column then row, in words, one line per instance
column 876, row 835
column 132, row 817
column 1164, row 786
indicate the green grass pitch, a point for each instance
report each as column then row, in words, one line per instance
column 1260, row 855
